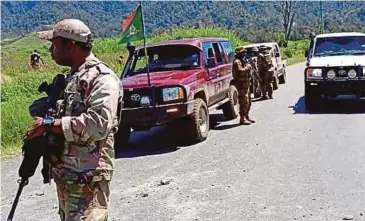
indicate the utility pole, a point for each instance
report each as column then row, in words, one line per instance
column 322, row 23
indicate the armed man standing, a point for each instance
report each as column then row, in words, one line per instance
column 91, row 98
column 266, row 71
column 257, row 84
column 242, row 75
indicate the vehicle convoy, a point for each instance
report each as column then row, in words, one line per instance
column 335, row 67
column 187, row 78
column 278, row 62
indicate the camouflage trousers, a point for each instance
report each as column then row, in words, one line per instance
column 87, row 202
column 256, row 86
column 244, row 98
column 266, row 77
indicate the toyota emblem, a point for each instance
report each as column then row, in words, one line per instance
column 342, row 73
column 135, row 97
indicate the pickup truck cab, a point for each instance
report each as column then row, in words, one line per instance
column 277, row 60
column 187, row 78
column 335, row 67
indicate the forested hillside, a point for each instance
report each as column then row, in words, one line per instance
column 256, row 21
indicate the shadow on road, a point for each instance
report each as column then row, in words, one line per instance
column 144, row 143
column 340, row 105
column 217, row 119
column 159, row 141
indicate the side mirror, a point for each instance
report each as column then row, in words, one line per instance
column 306, row 53
column 277, row 54
column 210, row 62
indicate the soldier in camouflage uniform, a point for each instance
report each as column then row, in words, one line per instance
column 266, row 71
column 257, row 84
column 242, row 75
column 90, row 120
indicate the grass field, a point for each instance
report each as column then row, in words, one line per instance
column 20, row 83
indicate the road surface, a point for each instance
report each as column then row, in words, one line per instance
column 290, row 165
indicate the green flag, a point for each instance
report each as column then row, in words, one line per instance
column 132, row 27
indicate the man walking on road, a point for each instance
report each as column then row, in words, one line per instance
column 242, row 75
column 266, row 71
column 88, row 124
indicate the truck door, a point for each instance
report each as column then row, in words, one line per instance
column 213, row 62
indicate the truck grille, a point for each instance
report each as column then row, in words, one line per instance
column 131, row 99
column 342, row 72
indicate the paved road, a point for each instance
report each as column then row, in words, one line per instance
column 290, row 165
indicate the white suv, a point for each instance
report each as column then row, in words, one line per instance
column 335, row 66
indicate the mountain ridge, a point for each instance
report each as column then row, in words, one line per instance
column 255, row 21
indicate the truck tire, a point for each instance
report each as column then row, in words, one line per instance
column 312, row 99
column 282, row 78
column 231, row 108
column 122, row 136
column 197, row 124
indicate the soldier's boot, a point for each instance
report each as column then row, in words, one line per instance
column 244, row 121
column 270, row 91
column 250, row 119
column 264, row 97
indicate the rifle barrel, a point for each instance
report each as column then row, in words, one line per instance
column 22, row 183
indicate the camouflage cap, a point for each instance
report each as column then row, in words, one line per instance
column 239, row 49
column 73, row 29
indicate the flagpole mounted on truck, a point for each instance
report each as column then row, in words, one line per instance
column 134, row 30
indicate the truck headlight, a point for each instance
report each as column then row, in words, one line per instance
column 172, row 93
column 314, row 72
column 363, row 71
column 352, row 73
column 331, row 74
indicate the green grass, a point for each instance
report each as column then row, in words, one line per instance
column 295, row 60
column 20, row 87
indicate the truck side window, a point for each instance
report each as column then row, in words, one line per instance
column 277, row 54
column 228, row 50
column 207, row 51
column 218, row 53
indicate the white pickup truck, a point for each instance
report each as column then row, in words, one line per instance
column 335, row 66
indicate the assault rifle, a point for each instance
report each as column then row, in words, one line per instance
column 50, row 146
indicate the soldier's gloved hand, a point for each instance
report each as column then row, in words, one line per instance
column 37, row 129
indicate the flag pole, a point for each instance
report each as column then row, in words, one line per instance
column 144, row 46
column 147, row 60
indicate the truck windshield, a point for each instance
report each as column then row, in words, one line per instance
column 165, row 58
column 346, row 45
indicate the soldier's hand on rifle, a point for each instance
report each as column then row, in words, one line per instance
column 37, row 129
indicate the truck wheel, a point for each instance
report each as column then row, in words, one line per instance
column 197, row 124
column 231, row 108
column 312, row 99
column 282, row 78
column 122, row 136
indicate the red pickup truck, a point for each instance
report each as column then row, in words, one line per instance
column 187, row 78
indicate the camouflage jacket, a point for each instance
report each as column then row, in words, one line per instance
column 90, row 119
column 255, row 68
column 241, row 72
column 264, row 62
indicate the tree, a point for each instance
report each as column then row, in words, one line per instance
column 288, row 10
